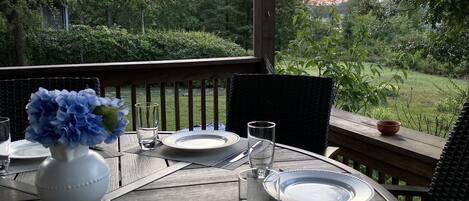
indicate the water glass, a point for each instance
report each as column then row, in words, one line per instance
column 250, row 186
column 5, row 141
column 261, row 145
column 147, row 125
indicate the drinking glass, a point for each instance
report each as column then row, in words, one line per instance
column 250, row 186
column 261, row 145
column 147, row 125
column 5, row 141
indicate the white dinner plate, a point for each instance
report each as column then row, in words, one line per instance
column 201, row 140
column 318, row 185
column 23, row 149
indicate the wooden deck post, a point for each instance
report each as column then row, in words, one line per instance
column 264, row 31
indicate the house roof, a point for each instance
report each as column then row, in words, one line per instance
column 324, row 2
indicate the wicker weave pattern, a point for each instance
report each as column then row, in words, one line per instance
column 15, row 95
column 451, row 179
column 299, row 105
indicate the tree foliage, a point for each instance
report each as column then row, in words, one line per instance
column 318, row 47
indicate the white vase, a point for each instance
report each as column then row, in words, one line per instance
column 72, row 174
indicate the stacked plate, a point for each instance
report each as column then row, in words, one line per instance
column 317, row 185
column 201, row 140
column 23, row 149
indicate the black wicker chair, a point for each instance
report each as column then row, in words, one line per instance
column 299, row 105
column 450, row 181
column 15, row 94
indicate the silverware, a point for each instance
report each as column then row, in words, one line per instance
column 245, row 153
column 96, row 148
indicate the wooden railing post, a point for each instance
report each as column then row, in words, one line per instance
column 264, row 30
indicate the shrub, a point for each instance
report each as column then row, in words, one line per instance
column 354, row 90
column 84, row 44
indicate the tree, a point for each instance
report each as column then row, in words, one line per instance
column 284, row 29
column 450, row 19
column 21, row 16
column 354, row 90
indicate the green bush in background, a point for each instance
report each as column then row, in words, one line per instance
column 84, row 44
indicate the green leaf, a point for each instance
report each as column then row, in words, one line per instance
column 109, row 116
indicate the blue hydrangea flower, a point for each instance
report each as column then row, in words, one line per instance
column 42, row 110
column 63, row 117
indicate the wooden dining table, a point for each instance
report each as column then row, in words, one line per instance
column 137, row 177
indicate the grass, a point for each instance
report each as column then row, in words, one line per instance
column 183, row 105
column 418, row 89
column 420, row 93
column 416, row 103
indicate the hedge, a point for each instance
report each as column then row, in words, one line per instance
column 84, row 44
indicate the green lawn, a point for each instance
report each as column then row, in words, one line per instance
column 420, row 92
column 183, row 105
column 415, row 105
column 419, row 86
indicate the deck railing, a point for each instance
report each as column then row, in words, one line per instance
column 190, row 90
column 408, row 158
column 172, row 80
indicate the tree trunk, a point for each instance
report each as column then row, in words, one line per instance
column 142, row 18
column 19, row 36
column 20, row 43
column 108, row 18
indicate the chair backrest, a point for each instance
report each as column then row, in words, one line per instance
column 15, row 94
column 299, row 105
column 451, row 178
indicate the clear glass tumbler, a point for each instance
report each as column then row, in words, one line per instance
column 251, row 187
column 261, row 145
column 5, row 141
column 147, row 125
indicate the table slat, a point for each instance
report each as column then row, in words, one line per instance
column 10, row 194
column 207, row 175
column 136, row 166
column 218, row 191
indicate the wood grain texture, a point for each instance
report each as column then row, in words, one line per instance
column 215, row 104
column 10, row 194
column 20, row 186
column 26, row 177
column 143, row 181
column 206, row 175
column 163, row 105
column 176, row 106
column 217, row 191
column 114, row 168
column 264, row 29
column 203, row 183
column 114, row 174
column 133, row 100
column 409, row 155
column 147, row 92
column 403, row 132
column 227, row 92
column 135, row 167
column 190, row 104
column 203, row 114
column 127, row 73
column 128, row 141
